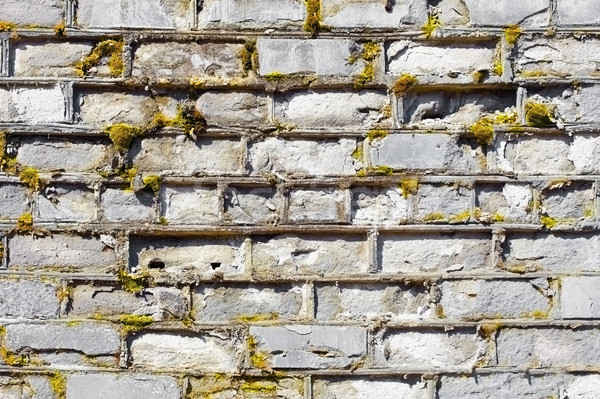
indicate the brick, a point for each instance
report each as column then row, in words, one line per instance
column 510, row 202
column 32, row 105
column 312, row 347
column 28, row 299
column 162, row 303
column 251, row 14
column 335, row 109
column 441, row 152
column 127, row 206
column 363, row 388
column 320, row 57
column 556, row 252
column 493, row 299
column 382, row 206
column 370, row 14
column 579, row 297
column 190, row 204
column 248, row 302
column 574, row 201
column 198, row 352
column 569, row 106
column 578, row 12
column 313, row 255
column 409, row 253
column 235, row 108
column 13, row 201
column 60, row 251
column 179, row 155
column 63, row 203
column 251, row 387
column 25, row 386
column 535, row 13
column 124, row 386
column 583, row 153
column 366, row 302
column 420, row 349
column 260, row 205
column 535, row 155
column 324, row 205
column 201, row 256
column 547, row 347
column 432, row 62
column 303, row 157
column 442, row 203
column 49, row 59
column 35, row 12
column 50, row 154
column 159, row 14
column 187, row 60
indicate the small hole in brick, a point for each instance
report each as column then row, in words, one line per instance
column 215, row 265
column 156, row 264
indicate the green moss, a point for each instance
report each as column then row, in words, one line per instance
column 361, row 173
column 512, row 33
column 31, row 178
column 433, row 22
column 370, row 51
column 312, row 23
column 152, row 182
column 58, row 383
column 548, row 222
column 483, row 131
column 497, row 65
column 262, row 387
column 488, row 331
column 133, row 323
column 409, row 187
column 132, row 283
column 274, row 76
column 366, row 76
column 25, row 223
column 499, row 218
column 112, row 49
column 506, row 118
column 258, row 359
column 60, row 29
column 434, row 216
column 358, row 153
column 404, row 84
column 257, row 317
column 7, row 26
column 249, row 56
column 516, row 129
column 163, row 221
column 537, row 73
column 122, row 134
column 537, row 115
column 188, row 117
column 376, row 134
column 128, row 174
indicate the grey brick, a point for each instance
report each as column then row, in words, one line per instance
column 382, row 206
column 124, row 386
column 580, row 297
column 570, row 203
column 63, row 203
column 578, row 12
column 253, row 205
column 190, row 204
column 535, row 13
column 583, row 152
column 13, row 201
column 24, row 386
column 312, row 347
column 28, row 299
column 35, row 12
column 127, row 206
column 510, row 202
column 535, row 155
column 442, row 203
column 370, row 14
column 391, row 388
column 323, row 205
column 235, row 108
column 49, row 59
column 32, row 104
column 252, row 14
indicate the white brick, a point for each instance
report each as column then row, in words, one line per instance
column 580, row 297
column 32, row 105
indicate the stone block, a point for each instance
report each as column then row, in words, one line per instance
column 381, row 206
column 361, row 302
column 442, row 152
column 535, row 155
column 247, row 302
column 124, row 386
column 333, row 109
column 386, row 388
column 535, row 13
column 369, row 14
column 577, row 12
column 45, row 13
column 200, row 352
column 25, row 386
column 34, row 105
column 584, row 152
column 249, row 387
column 157, row 14
column 442, row 203
column 310, row 347
column 580, row 297
column 309, row 255
column 571, row 202
column 251, row 14
column 60, row 251
column 181, row 156
column 13, row 201
column 65, row 203
column 303, row 157
column 323, row 205
column 233, row 108
column 127, row 206
column 48, row 59
column 190, row 204
column 260, row 205
column 320, row 57
column 508, row 202
column 30, row 299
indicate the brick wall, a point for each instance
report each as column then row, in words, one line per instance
column 344, row 199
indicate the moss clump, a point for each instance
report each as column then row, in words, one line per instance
column 31, row 178
column 548, row 222
column 25, row 223
column 7, row 26
column 506, row 118
column 257, row 359
column 14, row 359
column 274, row 76
column 132, row 283
column 480, row 76
column 8, row 162
column 488, row 331
column 409, row 187
column 537, row 115
column 404, row 84
column 111, row 49
column 358, row 153
column 249, row 56
column 376, row 134
column 261, row 387
column 499, row 218
column 483, row 131
column 60, row 29
column 257, row 317
column 381, row 170
column 188, row 117
column 433, row 22
column 370, row 51
column 163, row 221
column 434, row 216
column 312, row 23
column 58, row 384
column 122, row 134
column 460, row 217
column 134, row 323
column 366, row 76
column 512, row 33
column 152, row 182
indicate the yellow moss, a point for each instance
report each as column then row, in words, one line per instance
column 64, row 294
column 433, row 22
column 133, row 323
column 122, row 134
column 483, row 131
column 312, row 23
column 497, row 65
column 259, row 387
column 537, row 115
column 257, row 359
column 188, row 117
column 274, row 76
column 533, row 74
column 187, row 321
column 403, row 84
column 163, row 221
column 370, row 51
column 512, row 33
column 358, row 153
column 480, row 76
column 58, row 384
column 7, row 26
column 386, row 111
column 376, row 134
column 505, row 118
column 434, row 216
column 361, row 173
column 367, row 75
column 31, row 178
column 73, row 323
column 381, row 170
column 538, row 314
column 409, row 187
column 498, row 217
column 131, row 283
column 249, row 56
column 152, row 182
column 588, row 212
column 197, row 83
column 128, row 174
column 548, row 222
column 257, row 317
column 439, row 311
column 488, row 331
column 60, row 29
column 112, row 49
column 461, row 217
column 14, row 359
column 516, row 129
column 25, row 223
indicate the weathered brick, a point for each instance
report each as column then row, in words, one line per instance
column 580, row 297
column 60, row 251
column 571, row 202
column 253, row 205
column 66, row 203
column 314, row 255
column 32, row 104
column 198, row 352
column 236, row 108
column 324, row 205
column 48, row 59
column 13, row 201
column 249, row 387
column 535, row 155
column 583, row 152
column 442, row 203
column 190, row 204
column 567, row 105
column 334, row 109
column 127, row 206
column 312, row 347
column 320, row 57
column 486, row 299
column 548, row 347
column 441, row 152
column 578, row 12
column 365, row 302
column 535, row 13
column 125, row 386
column 427, row 349
column 413, row 253
column 363, row 388
column 35, row 12
column 370, row 14
column 25, row 386
column 159, row 14
column 385, row 206
column 251, row 14
column 30, row 299
column 179, row 155
column 303, row 157
column 510, row 202
column 187, row 60
column 248, row 302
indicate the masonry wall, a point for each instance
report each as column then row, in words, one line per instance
column 255, row 199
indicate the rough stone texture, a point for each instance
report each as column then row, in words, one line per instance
column 533, row 13
column 580, row 296
column 250, row 14
column 32, row 105
column 233, row 108
column 160, row 14
column 386, row 206
column 535, row 156
column 135, row 386
column 35, row 12
column 31, row 387
column 189, row 204
column 510, row 204
column 311, row 347
column 578, row 12
column 120, row 205
column 253, row 205
column 323, row 205
column 48, row 59
column 570, row 203
column 446, row 202
column 66, row 204
column 363, row 389
column 370, row 14
column 13, row 201
column 28, row 299
column 249, row 387
column 414, row 253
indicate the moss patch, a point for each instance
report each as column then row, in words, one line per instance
column 188, row 117
column 257, row 317
column 122, row 134
column 7, row 26
column 111, row 49
column 369, row 53
column 249, row 56
column 261, row 387
column 274, row 76
column 409, row 187
column 60, row 29
column 537, row 115
column 58, row 383
column 258, row 359
column 31, row 178
column 433, row 22
column 512, row 33
column 548, row 222
column 131, row 283
column 24, row 223
column 312, row 23
column 152, row 183
column 133, row 323
column 404, row 84
column 376, row 134
column 483, row 131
